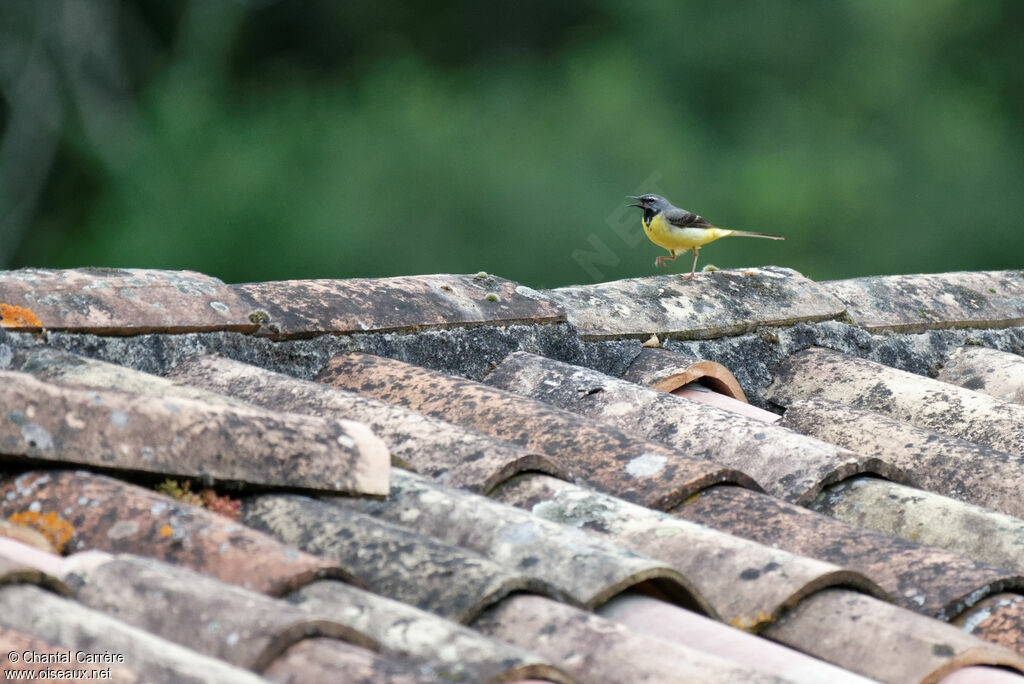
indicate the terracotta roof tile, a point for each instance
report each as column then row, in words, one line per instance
column 586, row 568
column 945, row 465
column 598, row 650
column 719, row 303
column 111, row 515
column 921, row 401
column 928, row 518
column 658, row 619
column 303, row 308
column 998, row 618
column 440, row 648
column 785, row 464
column 110, row 429
column 120, row 301
column 236, row 625
column 72, row 628
column 914, row 303
column 668, row 371
column 747, row 584
column 446, row 580
column 450, row 453
column 808, row 581
column 312, row 661
column 902, row 646
column 989, row 371
column 930, row 580
column 599, row 454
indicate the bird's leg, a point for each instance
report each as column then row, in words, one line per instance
column 693, row 270
column 660, row 261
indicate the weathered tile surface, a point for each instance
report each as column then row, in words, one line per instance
column 595, row 649
column 928, row 518
column 929, row 580
column 445, row 580
column 441, row 648
column 662, row 620
column 883, row 641
column 303, row 308
column 444, row 451
column 64, row 623
column 14, row 572
column 926, row 403
column 185, row 437
column 316, row 660
column 784, row 463
column 915, row 303
column 601, row 455
column 944, row 465
column 989, row 371
column 747, row 584
column 114, row 516
column 222, row 620
column 120, row 301
column 998, row 619
column 713, row 305
column 19, row 641
column 586, row 567
column 667, row 371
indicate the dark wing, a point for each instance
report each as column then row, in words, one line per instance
column 680, row 218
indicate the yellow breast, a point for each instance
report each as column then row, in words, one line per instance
column 664, row 234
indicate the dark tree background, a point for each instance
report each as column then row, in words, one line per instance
column 264, row 140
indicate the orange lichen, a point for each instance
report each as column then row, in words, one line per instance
column 57, row 530
column 747, row 623
column 166, row 531
column 12, row 316
column 207, row 498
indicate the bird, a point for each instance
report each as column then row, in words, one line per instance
column 678, row 230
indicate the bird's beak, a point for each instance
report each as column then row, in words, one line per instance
column 635, row 198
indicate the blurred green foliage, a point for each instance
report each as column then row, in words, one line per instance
column 271, row 140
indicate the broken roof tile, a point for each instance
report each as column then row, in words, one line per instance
column 989, row 371
column 441, row 648
column 303, row 308
column 111, row 515
column 225, row 621
column 832, row 624
column 915, row 303
column 586, row 567
column 716, row 304
column 185, row 437
column 599, row 454
column 930, row 580
column 747, row 584
column 595, row 649
column 444, row 451
column 120, row 301
column 445, row 580
column 784, row 463
column 927, row 518
column 926, row 403
column 72, row 627
column 944, row 465
column 668, row 371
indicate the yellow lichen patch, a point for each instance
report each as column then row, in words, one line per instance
column 57, row 530
column 166, row 531
column 748, row 623
column 12, row 316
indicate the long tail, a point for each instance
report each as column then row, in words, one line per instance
column 744, row 233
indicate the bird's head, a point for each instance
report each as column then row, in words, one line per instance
column 654, row 202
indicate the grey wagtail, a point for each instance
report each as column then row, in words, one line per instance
column 678, row 230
